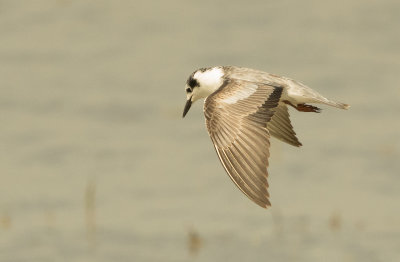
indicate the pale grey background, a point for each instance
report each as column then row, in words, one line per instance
column 96, row 163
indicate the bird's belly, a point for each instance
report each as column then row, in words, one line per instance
column 293, row 96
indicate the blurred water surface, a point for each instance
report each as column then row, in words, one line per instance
column 96, row 163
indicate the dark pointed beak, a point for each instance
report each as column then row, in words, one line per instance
column 187, row 107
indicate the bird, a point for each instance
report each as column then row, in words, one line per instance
column 243, row 108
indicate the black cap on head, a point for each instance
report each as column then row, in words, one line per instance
column 192, row 82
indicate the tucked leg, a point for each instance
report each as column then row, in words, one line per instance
column 308, row 108
column 304, row 107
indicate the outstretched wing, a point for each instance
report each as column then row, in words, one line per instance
column 236, row 117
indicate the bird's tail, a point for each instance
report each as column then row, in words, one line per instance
column 336, row 104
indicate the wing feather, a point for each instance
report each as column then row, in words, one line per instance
column 237, row 165
column 280, row 126
column 235, row 175
column 247, row 167
column 236, row 117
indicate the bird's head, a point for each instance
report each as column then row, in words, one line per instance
column 201, row 83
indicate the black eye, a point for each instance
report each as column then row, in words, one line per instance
column 188, row 90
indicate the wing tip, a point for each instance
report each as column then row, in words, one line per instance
column 296, row 143
column 346, row 106
column 264, row 204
